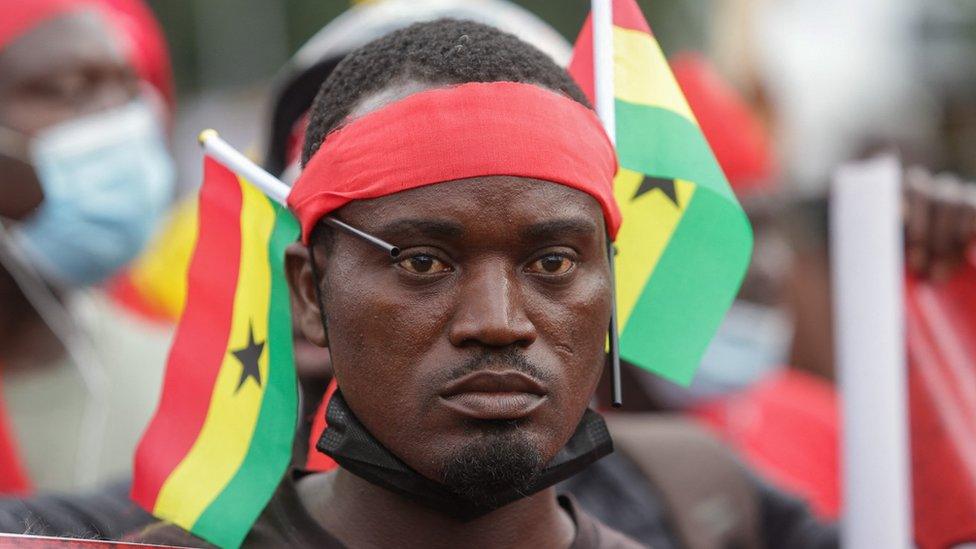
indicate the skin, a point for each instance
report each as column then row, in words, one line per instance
column 940, row 222
column 65, row 68
column 489, row 265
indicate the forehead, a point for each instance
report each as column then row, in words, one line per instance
column 75, row 39
column 500, row 206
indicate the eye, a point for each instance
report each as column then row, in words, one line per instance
column 423, row 264
column 551, row 265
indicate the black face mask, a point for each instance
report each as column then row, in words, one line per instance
column 348, row 442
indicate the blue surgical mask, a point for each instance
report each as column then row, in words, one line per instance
column 107, row 180
column 751, row 342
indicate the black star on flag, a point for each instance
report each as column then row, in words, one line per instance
column 249, row 357
column 666, row 186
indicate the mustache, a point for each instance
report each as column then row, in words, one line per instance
column 510, row 358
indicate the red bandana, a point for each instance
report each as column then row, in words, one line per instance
column 460, row 132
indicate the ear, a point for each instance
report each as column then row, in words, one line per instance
column 304, row 298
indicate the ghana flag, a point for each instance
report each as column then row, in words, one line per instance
column 685, row 243
column 221, row 439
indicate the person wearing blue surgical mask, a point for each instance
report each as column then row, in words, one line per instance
column 85, row 178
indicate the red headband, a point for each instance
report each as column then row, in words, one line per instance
column 460, row 132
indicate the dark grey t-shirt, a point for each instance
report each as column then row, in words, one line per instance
column 286, row 523
column 613, row 490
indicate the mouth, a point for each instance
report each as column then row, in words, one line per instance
column 494, row 395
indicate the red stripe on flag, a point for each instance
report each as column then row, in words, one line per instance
column 581, row 64
column 200, row 342
column 627, row 14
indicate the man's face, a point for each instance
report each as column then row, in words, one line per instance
column 487, row 331
column 63, row 69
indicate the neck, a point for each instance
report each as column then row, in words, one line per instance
column 361, row 514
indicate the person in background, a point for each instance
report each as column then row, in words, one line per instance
column 85, row 175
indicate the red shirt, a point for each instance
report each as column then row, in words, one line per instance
column 13, row 478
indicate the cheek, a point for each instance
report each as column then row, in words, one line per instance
column 574, row 323
column 572, row 329
column 380, row 343
column 31, row 115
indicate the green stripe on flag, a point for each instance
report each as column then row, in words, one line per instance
column 691, row 288
column 662, row 143
column 229, row 518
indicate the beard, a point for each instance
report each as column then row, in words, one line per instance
column 494, row 464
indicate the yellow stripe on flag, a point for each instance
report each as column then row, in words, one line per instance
column 642, row 74
column 650, row 221
column 226, row 434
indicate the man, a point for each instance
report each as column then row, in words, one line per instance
column 84, row 88
column 465, row 364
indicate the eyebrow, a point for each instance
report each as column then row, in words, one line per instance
column 431, row 228
column 555, row 228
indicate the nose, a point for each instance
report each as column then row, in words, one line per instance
column 490, row 312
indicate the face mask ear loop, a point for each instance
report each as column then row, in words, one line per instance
column 317, row 278
column 79, row 348
column 616, row 396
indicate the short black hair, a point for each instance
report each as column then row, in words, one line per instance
column 443, row 51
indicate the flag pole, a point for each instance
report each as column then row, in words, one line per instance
column 271, row 186
column 603, row 65
column 236, row 162
column 602, row 11
column 867, row 263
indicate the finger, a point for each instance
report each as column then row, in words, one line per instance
column 917, row 203
column 967, row 225
column 945, row 214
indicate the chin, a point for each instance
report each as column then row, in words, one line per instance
column 500, row 458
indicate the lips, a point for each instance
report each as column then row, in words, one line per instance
column 494, row 395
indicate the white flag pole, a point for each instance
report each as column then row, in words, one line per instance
column 270, row 185
column 602, row 11
column 603, row 71
column 243, row 166
column 867, row 264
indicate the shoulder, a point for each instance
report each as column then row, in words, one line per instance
column 105, row 513
column 590, row 532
